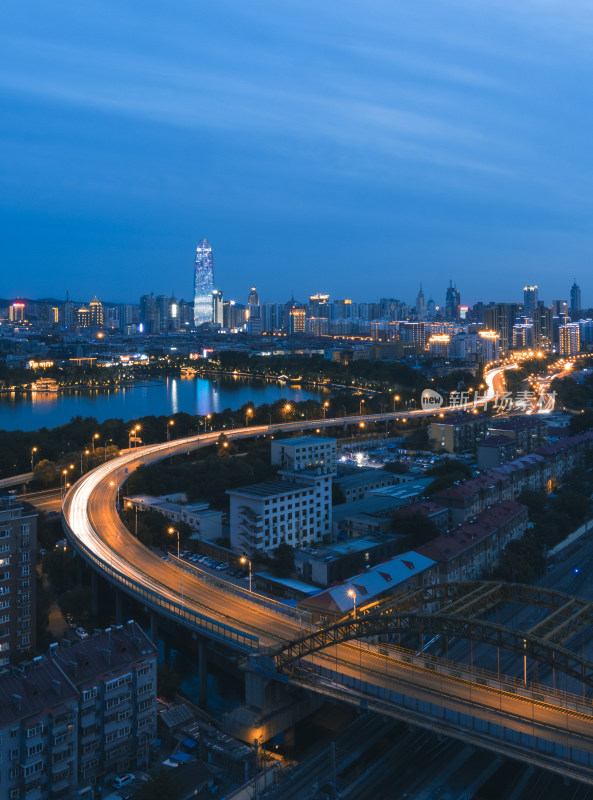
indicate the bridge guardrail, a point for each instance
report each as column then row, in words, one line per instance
column 305, row 617
column 177, row 611
column 484, row 677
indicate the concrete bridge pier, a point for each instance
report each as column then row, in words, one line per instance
column 154, row 628
column 119, row 611
column 94, row 593
column 271, row 707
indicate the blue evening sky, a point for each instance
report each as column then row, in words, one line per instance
column 340, row 146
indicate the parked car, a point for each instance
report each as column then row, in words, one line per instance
column 81, row 633
column 123, row 780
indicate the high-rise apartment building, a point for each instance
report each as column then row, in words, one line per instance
column 529, row 300
column 203, row 284
column 570, row 339
column 18, row 548
column 575, row 301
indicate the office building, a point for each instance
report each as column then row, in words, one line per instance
column 296, row 319
column 421, row 306
column 83, row 317
column 217, row 308
column 203, row 284
column 488, row 346
column 18, row 548
column 452, row 303
column 253, row 304
column 575, row 301
column 530, row 300
column 16, row 312
column 501, row 318
column 570, row 339
column 95, row 313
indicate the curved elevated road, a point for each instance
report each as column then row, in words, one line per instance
column 94, row 528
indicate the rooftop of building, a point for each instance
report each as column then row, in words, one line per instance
column 370, row 584
column 273, row 488
column 373, row 505
column 105, row 654
column 403, row 491
column 425, row 508
column 363, row 477
column 496, row 441
column 517, row 423
column 33, row 689
column 451, row 544
column 305, row 441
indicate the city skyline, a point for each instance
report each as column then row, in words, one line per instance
column 394, row 143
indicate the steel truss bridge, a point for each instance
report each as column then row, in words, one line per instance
column 453, row 610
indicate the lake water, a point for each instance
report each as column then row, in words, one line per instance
column 192, row 395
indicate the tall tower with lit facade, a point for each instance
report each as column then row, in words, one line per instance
column 575, row 301
column 203, row 284
column 530, row 300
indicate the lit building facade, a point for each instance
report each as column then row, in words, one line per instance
column 570, row 339
column 203, row 284
column 95, row 313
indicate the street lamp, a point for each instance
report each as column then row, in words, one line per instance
column 361, row 404
column 245, row 560
column 248, row 413
column 169, row 425
column 352, row 594
column 95, row 436
column 172, row 530
column 33, row 451
column 325, row 407
column 130, row 505
column 396, row 399
column 206, row 418
column 287, row 409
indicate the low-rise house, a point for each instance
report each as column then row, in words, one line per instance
column 474, row 547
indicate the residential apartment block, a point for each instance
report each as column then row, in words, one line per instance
column 18, row 548
column 306, row 452
column 84, row 712
column 473, row 548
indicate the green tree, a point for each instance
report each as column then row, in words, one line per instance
column 283, row 560
column 168, row 682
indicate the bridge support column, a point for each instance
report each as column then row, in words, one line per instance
column 154, row 628
column 94, row 593
column 203, row 671
column 119, row 612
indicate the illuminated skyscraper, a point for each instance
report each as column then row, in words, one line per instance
column 529, row 300
column 575, row 301
column 203, row 284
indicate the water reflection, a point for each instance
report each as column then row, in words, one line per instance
column 192, row 395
